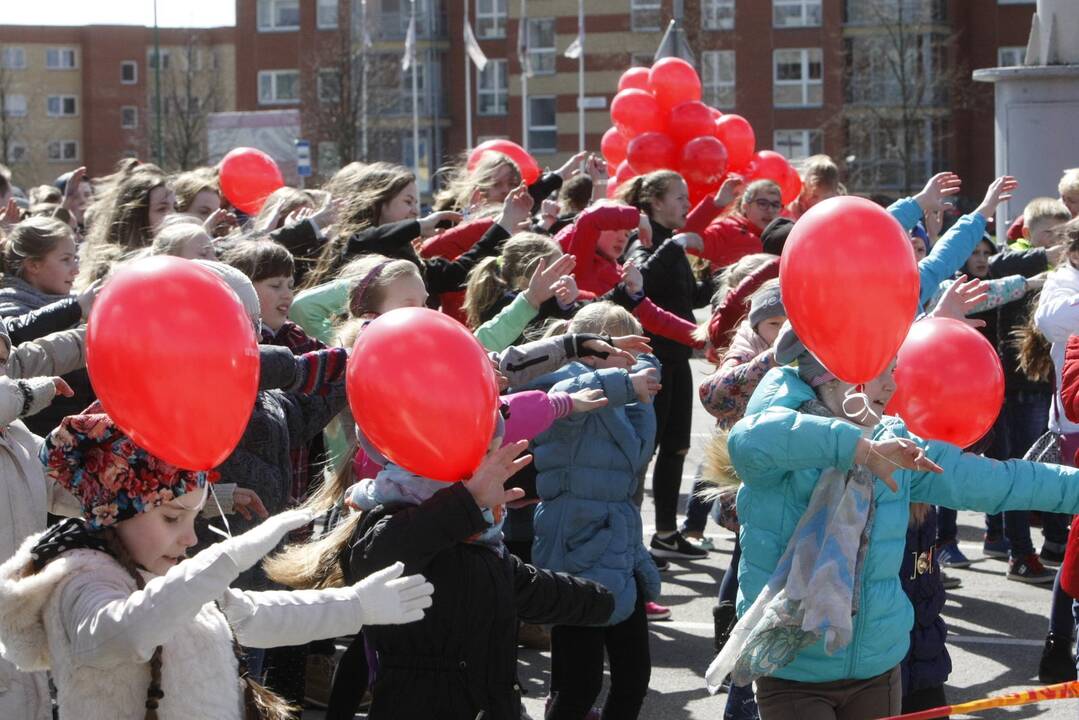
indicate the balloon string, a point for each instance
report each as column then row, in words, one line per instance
column 227, row 532
column 857, row 399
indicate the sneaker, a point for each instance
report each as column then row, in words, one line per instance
column 1052, row 554
column 949, row 582
column 676, row 547
column 996, row 547
column 534, row 637
column 655, row 611
column 1057, row 664
column 661, row 564
column 723, row 618
column 1029, row 570
column 949, row 555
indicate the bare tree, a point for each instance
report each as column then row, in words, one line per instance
column 902, row 84
column 12, row 121
column 334, row 100
column 190, row 90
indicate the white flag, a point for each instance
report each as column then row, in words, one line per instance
column 574, row 50
column 410, row 44
column 473, row 48
column 523, row 45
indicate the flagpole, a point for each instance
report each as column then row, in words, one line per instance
column 415, row 95
column 468, row 90
column 523, row 28
column 580, row 76
column 363, row 75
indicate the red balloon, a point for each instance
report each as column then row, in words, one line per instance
column 949, row 382
column 174, row 360
column 736, row 134
column 424, row 393
column 621, row 175
column 613, row 146
column 526, row 164
column 650, row 152
column 716, row 115
column 635, row 112
column 698, row 193
column 850, row 285
column 674, row 81
column 769, row 165
column 703, row 162
column 247, row 178
column 791, row 186
column 690, row 120
column 635, row 77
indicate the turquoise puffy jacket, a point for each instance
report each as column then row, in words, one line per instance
column 779, row 455
column 587, row 466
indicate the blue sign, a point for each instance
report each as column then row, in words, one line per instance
column 303, row 158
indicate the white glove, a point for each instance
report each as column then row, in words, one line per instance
column 386, row 598
column 247, row 549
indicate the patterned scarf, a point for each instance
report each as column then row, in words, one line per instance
column 814, row 591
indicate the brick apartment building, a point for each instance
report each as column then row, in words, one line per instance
column 811, row 75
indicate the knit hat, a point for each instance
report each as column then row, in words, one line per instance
column 241, row 285
column 765, row 303
column 790, row 349
column 112, row 478
column 775, row 235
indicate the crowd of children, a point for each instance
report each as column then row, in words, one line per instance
column 119, row 597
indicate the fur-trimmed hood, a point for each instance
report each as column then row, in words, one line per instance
column 23, row 594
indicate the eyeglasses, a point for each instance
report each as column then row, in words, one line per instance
column 768, row 204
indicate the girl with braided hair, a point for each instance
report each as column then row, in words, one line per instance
column 129, row 626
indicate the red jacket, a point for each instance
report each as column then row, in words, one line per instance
column 735, row 306
column 729, row 239
column 1069, row 396
column 450, row 244
column 597, row 275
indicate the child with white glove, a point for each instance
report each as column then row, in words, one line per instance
column 132, row 629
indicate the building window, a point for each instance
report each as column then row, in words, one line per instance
column 327, row 15
column 490, row 19
column 541, row 45
column 129, row 72
column 63, row 150
column 1011, row 56
column 717, row 14
column 15, row 105
column 62, row 106
column 129, row 117
column 798, row 78
column 277, row 87
column 17, row 152
column 60, row 59
column 645, row 15
column 151, row 59
column 542, row 125
column 278, row 15
column 797, row 144
column 717, row 77
column 796, row 13
column 13, row 58
column 329, row 86
column 492, row 96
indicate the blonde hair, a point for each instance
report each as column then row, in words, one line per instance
column 1044, row 208
column 754, row 190
column 44, row 194
column 31, row 239
column 372, row 275
column 278, row 205
column 820, row 171
column 462, row 184
column 604, row 318
column 493, row 277
column 174, row 234
column 1069, row 182
column 346, row 180
column 188, row 185
column 733, row 275
column 644, row 190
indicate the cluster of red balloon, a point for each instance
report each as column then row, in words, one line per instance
column 660, row 123
column 850, row 287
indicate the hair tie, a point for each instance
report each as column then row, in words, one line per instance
column 367, row 279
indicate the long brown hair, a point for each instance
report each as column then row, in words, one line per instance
column 494, row 276
column 644, row 190
column 1032, row 348
column 121, row 215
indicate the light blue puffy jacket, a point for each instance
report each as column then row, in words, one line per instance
column 779, row 455
column 587, row 466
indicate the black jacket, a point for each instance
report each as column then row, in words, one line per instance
column 461, row 659
column 927, row 663
column 670, row 283
column 440, row 275
column 1013, row 315
column 304, row 242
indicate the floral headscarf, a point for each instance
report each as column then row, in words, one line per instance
column 112, row 477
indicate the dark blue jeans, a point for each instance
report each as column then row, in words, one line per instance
column 697, row 511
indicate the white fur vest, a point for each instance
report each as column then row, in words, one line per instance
column 199, row 674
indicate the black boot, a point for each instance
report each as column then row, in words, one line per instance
column 1057, row 664
column 723, row 616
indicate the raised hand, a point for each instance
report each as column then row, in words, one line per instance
column 939, row 188
column 429, row 225
column 962, row 297
column 541, row 286
column 572, row 166
column 486, row 484
column 646, row 384
column 644, row 231
column 247, row 503
column 729, row 191
column 632, row 278
column 997, row 193
column 884, row 457
column 71, row 189
column 566, row 291
column 516, row 209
